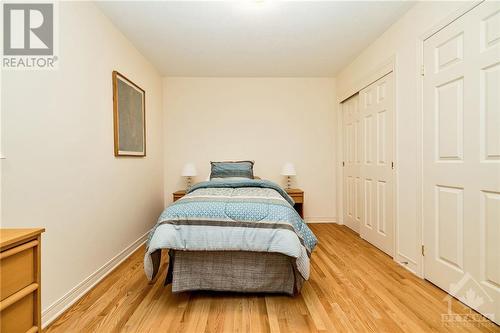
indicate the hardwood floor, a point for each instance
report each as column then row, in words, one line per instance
column 354, row 287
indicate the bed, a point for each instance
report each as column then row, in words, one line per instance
column 228, row 234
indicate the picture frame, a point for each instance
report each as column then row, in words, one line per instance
column 129, row 117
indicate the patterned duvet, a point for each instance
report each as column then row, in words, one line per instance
column 232, row 215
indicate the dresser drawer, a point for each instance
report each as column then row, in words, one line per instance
column 20, row 293
column 18, row 317
column 17, row 268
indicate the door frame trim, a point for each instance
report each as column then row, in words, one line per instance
column 420, row 127
column 389, row 65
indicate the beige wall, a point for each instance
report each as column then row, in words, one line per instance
column 268, row 120
column 402, row 41
column 60, row 172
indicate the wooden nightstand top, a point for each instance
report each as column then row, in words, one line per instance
column 291, row 191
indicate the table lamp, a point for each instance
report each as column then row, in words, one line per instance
column 189, row 171
column 288, row 171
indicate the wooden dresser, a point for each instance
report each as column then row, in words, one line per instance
column 20, row 308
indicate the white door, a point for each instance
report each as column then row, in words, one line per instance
column 461, row 151
column 376, row 105
column 352, row 162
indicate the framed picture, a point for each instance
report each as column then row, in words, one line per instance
column 129, row 111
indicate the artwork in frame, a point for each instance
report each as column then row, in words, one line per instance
column 129, row 117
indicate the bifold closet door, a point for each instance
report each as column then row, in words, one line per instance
column 353, row 204
column 461, row 152
column 376, row 106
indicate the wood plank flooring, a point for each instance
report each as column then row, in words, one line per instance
column 354, row 287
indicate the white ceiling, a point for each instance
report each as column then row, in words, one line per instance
column 252, row 38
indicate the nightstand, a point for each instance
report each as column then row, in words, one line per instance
column 297, row 196
column 178, row 194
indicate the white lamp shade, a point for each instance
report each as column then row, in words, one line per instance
column 189, row 170
column 288, row 169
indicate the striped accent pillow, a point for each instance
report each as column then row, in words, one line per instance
column 232, row 169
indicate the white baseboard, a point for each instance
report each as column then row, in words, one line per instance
column 321, row 220
column 62, row 304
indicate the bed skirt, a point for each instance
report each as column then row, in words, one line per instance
column 235, row 271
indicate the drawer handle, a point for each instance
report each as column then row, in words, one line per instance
column 17, row 296
column 18, row 249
